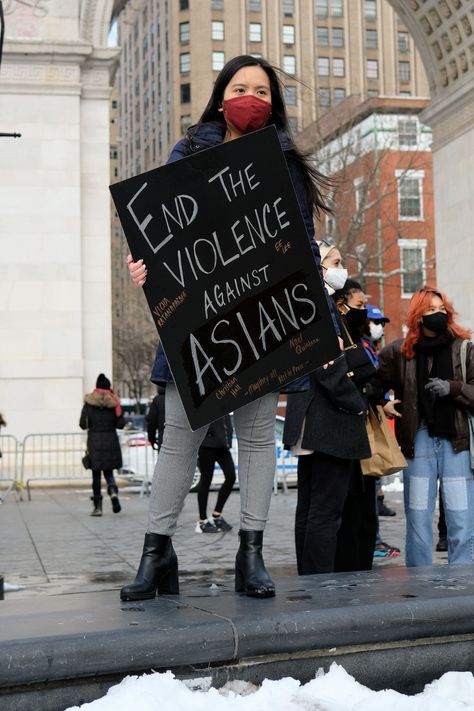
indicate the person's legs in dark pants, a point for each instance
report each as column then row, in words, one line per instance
column 330, row 480
column 368, row 524
column 112, row 490
column 442, row 544
column 96, row 493
column 206, row 464
column 303, row 502
column 225, row 461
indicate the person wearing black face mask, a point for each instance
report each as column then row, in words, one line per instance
column 426, row 371
column 357, row 532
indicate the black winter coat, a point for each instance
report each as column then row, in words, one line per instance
column 99, row 419
column 219, row 434
column 334, row 414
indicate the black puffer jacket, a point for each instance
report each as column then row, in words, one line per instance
column 99, row 419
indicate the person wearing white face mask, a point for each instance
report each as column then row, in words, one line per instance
column 334, row 274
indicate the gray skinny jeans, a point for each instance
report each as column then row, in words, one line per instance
column 255, row 429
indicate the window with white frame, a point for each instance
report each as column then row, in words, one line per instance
column 322, row 36
column 185, row 62
column 412, row 265
column 218, row 61
column 217, row 4
column 338, row 67
column 289, row 64
column 407, row 132
column 321, row 8
column 410, row 194
column 288, row 34
column 339, row 94
column 330, row 225
column 184, row 31
column 288, row 7
column 255, row 32
column 217, row 30
column 372, row 69
column 255, row 5
column 290, row 95
column 323, row 66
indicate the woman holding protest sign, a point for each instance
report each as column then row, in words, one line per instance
column 247, row 96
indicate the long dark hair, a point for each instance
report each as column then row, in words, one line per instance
column 313, row 179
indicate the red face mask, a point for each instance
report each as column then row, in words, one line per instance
column 247, row 113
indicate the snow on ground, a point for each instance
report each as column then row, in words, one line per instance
column 334, row 691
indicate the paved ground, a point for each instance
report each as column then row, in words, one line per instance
column 52, row 546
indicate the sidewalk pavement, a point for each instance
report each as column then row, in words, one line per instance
column 51, row 545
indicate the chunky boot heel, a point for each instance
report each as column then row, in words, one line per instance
column 112, row 491
column 251, row 576
column 97, row 510
column 169, row 583
column 158, row 570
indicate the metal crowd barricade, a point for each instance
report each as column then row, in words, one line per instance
column 138, row 459
column 52, row 457
column 9, row 448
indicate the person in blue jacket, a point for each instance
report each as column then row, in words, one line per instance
column 247, row 96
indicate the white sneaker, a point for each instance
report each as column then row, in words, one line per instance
column 205, row 527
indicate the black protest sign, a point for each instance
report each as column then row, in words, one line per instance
column 232, row 283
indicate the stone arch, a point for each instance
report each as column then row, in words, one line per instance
column 94, row 21
column 443, row 32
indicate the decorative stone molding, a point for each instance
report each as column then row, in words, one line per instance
column 32, row 77
column 443, row 34
column 94, row 24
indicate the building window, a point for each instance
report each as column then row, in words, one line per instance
column 321, row 8
column 217, row 30
column 371, row 39
column 183, row 4
column 217, row 4
column 322, row 36
column 324, row 98
column 407, row 132
column 339, row 95
column 404, row 93
column 290, row 95
column 338, row 69
column 255, row 32
column 255, row 5
column 330, row 225
column 185, row 91
column 184, row 32
column 288, row 34
column 337, row 8
column 185, row 122
column 372, row 93
column 370, row 10
column 288, row 7
column 218, row 61
column 372, row 69
column 404, row 71
column 412, row 265
column 337, row 34
column 185, row 62
column 114, row 103
column 293, row 124
column 289, row 64
column 403, row 42
column 410, row 194
column 323, row 66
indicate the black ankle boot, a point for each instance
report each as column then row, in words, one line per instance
column 112, row 491
column 251, row 576
column 158, row 570
column 97, row 510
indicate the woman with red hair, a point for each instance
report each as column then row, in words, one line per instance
column 424, row 369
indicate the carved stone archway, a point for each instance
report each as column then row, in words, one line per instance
column 443, row 32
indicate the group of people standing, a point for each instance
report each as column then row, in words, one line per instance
column 336, row 523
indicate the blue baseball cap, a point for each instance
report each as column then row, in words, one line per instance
column 374, row 314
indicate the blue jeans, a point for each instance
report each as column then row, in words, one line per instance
column 255, row 429
column 435, row 459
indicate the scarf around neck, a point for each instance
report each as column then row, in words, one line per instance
column 434, row 360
